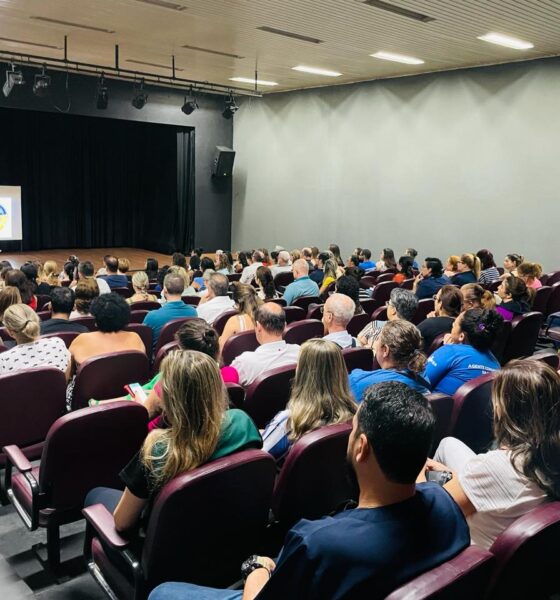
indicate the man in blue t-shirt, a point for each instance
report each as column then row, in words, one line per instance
column 174, row 308
column 113, row 278
column 398, row 531
column 302, row 285
column 365, row 260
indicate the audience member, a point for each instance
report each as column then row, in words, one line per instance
column 241, row 263
column 451, row 266
column 207, row 268
column 397, row 350
column 86, row 271
column 9, row 295
column 511, row 262
column 489, row 272
column 16, row 278
column 302, row 285
column 320, row 396
column 141, row 284
column 448, row 305
column 404, row 270
column 249, row 272
column 365, row 260
column 151, row 268
column 216, row 301
column 386, row 260
column 530, row 273
column 124, row 266
column 516, row 298
column 402, row 304
column 62, row 303
column 475, row 296
column 338, row 311
column 187, row 276
column 397, row 531
column 48, row 278
column 430, row 279
column 283, row 265
column 273, row 351
column 200, row 429
column 265, row 281
column 496, row 488
column 318, row 273
column 330, row 269
column 84, row 294
column 307, row 254
column 247, row 303
column 467, row 351
column 222, row 264
column 24, row 326
column 174, row 307
column 178, row 259
column 336, row 254
column 350, row 287
column 113, row 278
column 468, row 270
column 194, row 265
column 413, row 254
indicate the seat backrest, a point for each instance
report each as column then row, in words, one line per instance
column 437, row 343
column 379, row 314
column 527, row 556
column 357, row 323
column 42, row 301
column 294, row 313
column 549, row 357
column 234, row 277
column 163, row 352
column 493, row 286
column 358, row 358
column 313, row 480
column 425, row 306
column 219, row 507
column 540, row 301
column 66, row 336
column 368, row 305
column 524, row 334
column 168, row 331
column 145, row 305
column 283, row 279
column 104, row 377
column 301, row 331
column 368, row 281
column 269, row 394
column 501, row 341
column 125, row 292
column 385, row 277
column 3, row 348
column 382, row 291
column 407, row 284
column 315, row 311
column 442, row 406
column 471, row 421
column 30, row 402
column 88, row 448
column 236, row 395
column 193, row 300
column 554, row 300
column 305, row 301
column 280, row 301
column 137, row 316
column 88, row 322
column 245, row 341
column 464, row 577
column 553, row 278
column 222, row 319
column 44, row 315
column 146, row 335
column 5, row 335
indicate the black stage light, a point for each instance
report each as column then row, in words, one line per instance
column 140, row 96
column 41, row 84
column 230, row 107
column 102, row 94
column 190, row 105
column 13, row 78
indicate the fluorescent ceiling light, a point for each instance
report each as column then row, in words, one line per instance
column 252, row 81
column 505, row 40
column 400, row 58
column 315, row 71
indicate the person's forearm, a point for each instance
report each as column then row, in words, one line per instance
column 255, row 583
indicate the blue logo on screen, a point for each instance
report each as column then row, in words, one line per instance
column 3, row 217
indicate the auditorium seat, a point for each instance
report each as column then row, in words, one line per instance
column 83, row 450
column 305, row 301
column 44, row 315
column 464, row 577
column 162, row 353
column 384, row 277
column 146, row 335
column 88, row 322
column 234, row 277
column 168, row 331
column 137, row 316
column 280, row 301
column 282, row 280
column 202, row 526
column 222, row 319
column 315, row 311
column 549, row 357
column 245, row 341
column 236, row 395
column 294, row 313
column 500, row 342
column 301, row 331
column 358, row 358
column 125, row 292
column 66, row 336
column 2, row 347
column 382, row 292
column 442, row 406
column 368, row 305
column 524, row 334
column 269, row 394
column 436, row 344
column 104, row 377
column 492, row 286
column 5, row 335
column 425, row 307
column 542, row 296
column 471, row 421
column 368, row 281
column 193, row 300
column 407, row 284
column 357, row 323
column 42, row 301
column 379, row 314
column 527, row 556
column 554, row 300
column 145, row 305
column 553, row 277
column 313, row 481
column 30, row 402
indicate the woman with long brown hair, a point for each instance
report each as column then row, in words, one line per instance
column 247, row 302
column 475, row 296
column 200, row 429
column 320, row 396
column 496, row 488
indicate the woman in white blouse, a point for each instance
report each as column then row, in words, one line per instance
column 496, row 488
column 31, row 351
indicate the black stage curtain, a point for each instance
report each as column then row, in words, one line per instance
column 92, row 182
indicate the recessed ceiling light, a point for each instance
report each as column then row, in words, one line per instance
column 315, row 71
column 506, row 40
column 400, row 58
column 252, row 81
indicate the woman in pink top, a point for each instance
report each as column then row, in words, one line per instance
column 530, row 273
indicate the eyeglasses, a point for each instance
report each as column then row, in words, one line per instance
column 325, row 312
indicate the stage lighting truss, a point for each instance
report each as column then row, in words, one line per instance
column 14, row 77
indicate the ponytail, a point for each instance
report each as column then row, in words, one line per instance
column 23, row 322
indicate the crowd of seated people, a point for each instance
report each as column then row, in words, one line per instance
column 190, row 423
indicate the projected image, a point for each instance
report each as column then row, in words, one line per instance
column 10, row 213
column 5, row 217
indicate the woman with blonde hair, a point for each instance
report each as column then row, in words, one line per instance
column 320, row 396
column 475, row 296
column 48, row 277
column 30, row 351
column 199, row 429
column 451, row 266
column 330, row 270
column 468, row 270
column 247, row 302
column 8, row 296
column 496, row 488
column 295, row 255
column 141, row 283
column 222, row 264
column 530, row 273
column 123, row 266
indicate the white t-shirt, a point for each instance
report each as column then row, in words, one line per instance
column 248, row 273
column 250, row 365
column 498, row 492
column 44, row 352
column 211, row 310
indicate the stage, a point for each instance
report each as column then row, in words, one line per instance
column 136, row 256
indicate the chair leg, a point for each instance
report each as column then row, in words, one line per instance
column 53, row 548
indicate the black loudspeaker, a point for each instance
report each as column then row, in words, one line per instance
column 223, row 163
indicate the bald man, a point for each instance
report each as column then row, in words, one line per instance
column 302, row 285
column 337, row 312
column 273, row 351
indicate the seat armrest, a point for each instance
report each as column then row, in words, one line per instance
column 103, row 523
column 17, row 458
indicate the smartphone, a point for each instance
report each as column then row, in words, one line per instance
column 440, row 477
column 136, row 391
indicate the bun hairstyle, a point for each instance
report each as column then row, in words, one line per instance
column 141, row 281
column 475, row 296
column 403, row 340
column 473, row 262
column 518, row 290
column 481, row 326
column 516, row 259
column 196, row 334
column 451, row 300
column 23, row 322
column 530, row 269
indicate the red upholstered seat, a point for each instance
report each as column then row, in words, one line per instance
column 305, row 301
column 442, row 405
column 358, row 358
column 301, row 331
column 524, row 334
column 294, row 313
column 425, row 306
column 168, row 331
column 66, row 336
column 221, row 321
column 357, row 323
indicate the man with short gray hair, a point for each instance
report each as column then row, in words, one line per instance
column 302, row 285
column 284, row 264
column 337, row 313
column 216, row 301
column 248, row 273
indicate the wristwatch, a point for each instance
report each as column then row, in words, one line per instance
column 250, row 565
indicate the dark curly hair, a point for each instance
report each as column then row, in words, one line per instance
column 481, row 326
column 111, row 312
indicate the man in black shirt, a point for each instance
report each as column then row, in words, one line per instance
column 62, row 302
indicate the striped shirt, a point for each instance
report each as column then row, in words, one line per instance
column 488, row 276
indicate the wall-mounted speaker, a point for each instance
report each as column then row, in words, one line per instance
column 223, row 162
